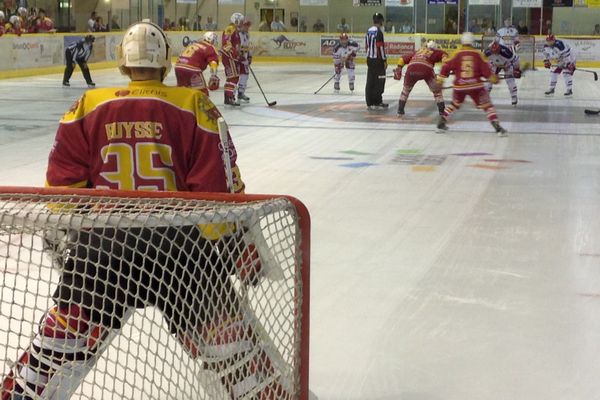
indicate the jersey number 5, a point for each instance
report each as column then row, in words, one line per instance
column 139, row 161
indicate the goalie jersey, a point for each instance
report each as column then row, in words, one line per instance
column 146, row 136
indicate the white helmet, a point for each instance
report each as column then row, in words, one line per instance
column 14, row 20
column 144, row 45
column 1, row 14
column 237, row 19
column 467, row 38
column 210, row 37
column 22, row 11
column 431, row 45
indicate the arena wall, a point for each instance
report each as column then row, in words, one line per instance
column 44, row 53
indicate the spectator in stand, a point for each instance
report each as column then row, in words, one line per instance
column 302, row 27
column 522, row 28
column 264, row 26
column 114, row 23
column 210, row 25
column 277, row 25
column 343, row 27
column 474, row 26
column 197, row 25
column 407, row 27
column 100, row 26
column 43, row 24
column 167, row 24
column 92, row 22
column 596, row 31
column 319, row 26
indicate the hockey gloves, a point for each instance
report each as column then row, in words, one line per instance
column 516, row 73
column 571, row 67
column 338, row 68
column 547, row 64
column 398, row 73
column 214, row 82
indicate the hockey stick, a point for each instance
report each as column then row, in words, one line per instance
column 591, row 112
column 591, row 72
column 325, row 84
column 269, row 103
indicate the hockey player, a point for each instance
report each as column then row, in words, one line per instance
column 152, row 137
column 79, row 52
column 194, row 59
column 503, row 58
column 469, row 67
column 508, row 35
column 420, row 67
column 245, row 59
column 344, row 53
column 561, row 53
column 42, row 24
column 231, row 56
column 14, row 26
column 2, row 23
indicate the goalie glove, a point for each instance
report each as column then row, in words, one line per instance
column 214, row 82
column 547, row 64
column 398, row 73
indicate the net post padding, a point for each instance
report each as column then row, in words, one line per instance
column 22, row 216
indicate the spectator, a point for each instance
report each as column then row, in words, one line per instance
column 596, row 30
column 302, row 27
column 522, row 28
column 100, row 26
column 407, row 27
column 343, row 27
column 197, row 26
column 451, row 26
column 474, row 26
column 92, row 22
column 264, row 26
column 114, row 23
column 277, row 25
column 183, row 24
column 166, row 24
column 210, row 25
column 294, row 23
column 319, row 26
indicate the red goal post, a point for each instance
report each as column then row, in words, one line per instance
column 526, row 48
column 145, row 360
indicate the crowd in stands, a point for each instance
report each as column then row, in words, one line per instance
column 22, row 20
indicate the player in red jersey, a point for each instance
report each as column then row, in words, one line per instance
column 420, row 67
column 470, row 70
column 231, row 56
column 2, row 23
column 14, row 26
column 145, row 136
column 194, row 59
column 42, row 24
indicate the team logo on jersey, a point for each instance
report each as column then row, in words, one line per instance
column 122, row 93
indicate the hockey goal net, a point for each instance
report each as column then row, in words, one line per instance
column 526, row 50
column 195, row 296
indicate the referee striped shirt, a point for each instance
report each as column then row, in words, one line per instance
column 374, row 43
column 80, row 50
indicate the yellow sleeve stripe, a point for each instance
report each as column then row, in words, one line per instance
column 82, row 184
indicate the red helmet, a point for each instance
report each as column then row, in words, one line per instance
column 344, row 38
column 495, row 48
column 550, row 38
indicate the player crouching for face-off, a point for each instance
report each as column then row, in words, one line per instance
column 344, row 53
column 560, row 51
column 502, row 57
column 470, row 69
column 108, row 272
column 420, row 67
column 194, row 59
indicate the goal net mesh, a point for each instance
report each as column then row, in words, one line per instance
column 193, row 298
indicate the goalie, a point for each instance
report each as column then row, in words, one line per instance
column 184, row 271
column 195, row 58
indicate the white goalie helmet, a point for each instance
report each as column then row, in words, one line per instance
column 210, row 37
column 237, row 18
column 467, row 38
column 144, row 45
column 432, row 45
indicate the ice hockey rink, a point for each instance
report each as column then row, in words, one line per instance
column 444, row 266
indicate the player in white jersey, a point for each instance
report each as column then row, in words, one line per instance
column 559, row 52
column 343, row 56
column 508, row 35
column 245, row 59
column 503, row 57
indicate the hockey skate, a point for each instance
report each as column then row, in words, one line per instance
column 549, row 92
column 441, row 125
column 91, row 85
column 336, row 86
column 351, row 85
column 66, row 84
column 231, row 101
column 569, row 93
column 499, row 129
column 514, row 101
column 401, row 108
column 243, row 97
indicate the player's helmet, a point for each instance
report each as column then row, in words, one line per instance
column 467, row 39
column 210, row 37
column 237, row 18
column 22, row 11
column 378, row 18
column 144, row 45
column 1, row 14
column 344, row 39
column 495, row 48
column 14, row 20
column 550, row 39
column 431, row 45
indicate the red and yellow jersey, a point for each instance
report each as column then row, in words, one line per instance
column 231, row 42
column 423, row 56
column 146, row 136
column 197, row 56
column 469, row 66
column 42, row 25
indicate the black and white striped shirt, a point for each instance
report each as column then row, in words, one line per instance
column 80, row 50
column 374, row 43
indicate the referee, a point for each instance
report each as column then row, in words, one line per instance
column 376, row 65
